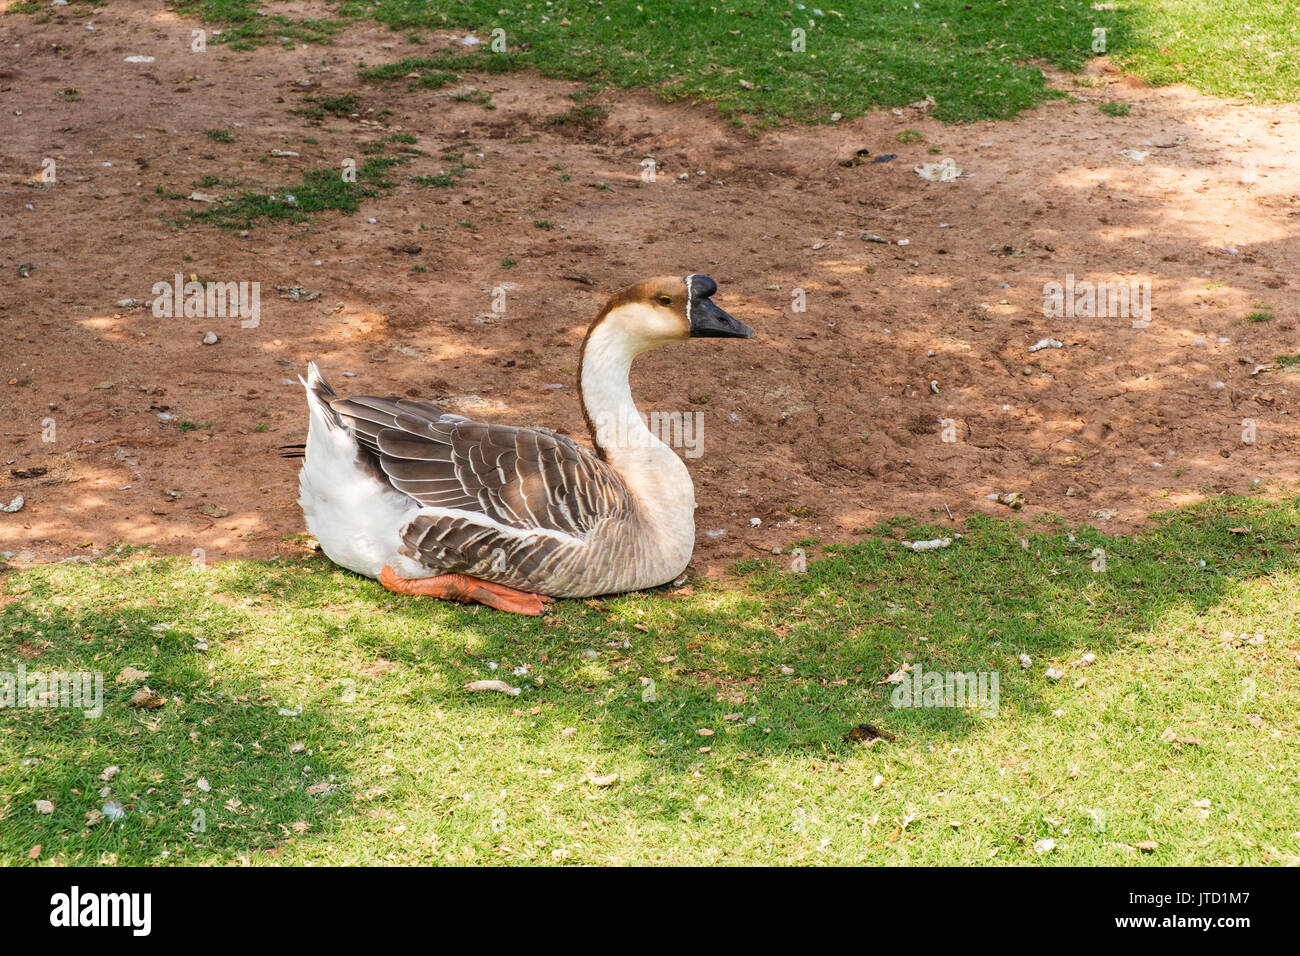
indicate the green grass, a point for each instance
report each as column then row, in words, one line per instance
column 329, row 722
column 440, row 180
column 245, row 26
column 316, row 108
column 1114, row 108
column 1225, row 49
column 207, row 182
column 219, row 135
column 970, row 56
column 32, row 6
column 584, row 117
column 477, row 97
column 976, row 58
column 445, row 179
column 319, row 190
column 420, row 72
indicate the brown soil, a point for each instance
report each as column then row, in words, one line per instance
column 822, row 425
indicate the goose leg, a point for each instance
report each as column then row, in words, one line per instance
column 467, row 590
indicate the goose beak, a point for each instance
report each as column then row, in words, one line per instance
column 709, row 321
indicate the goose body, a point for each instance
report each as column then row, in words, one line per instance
column 397, row 489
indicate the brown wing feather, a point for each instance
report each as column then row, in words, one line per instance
column 523, row 478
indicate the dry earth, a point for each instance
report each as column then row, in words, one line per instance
column 824, row 424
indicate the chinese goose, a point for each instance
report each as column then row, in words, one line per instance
column 436, row 504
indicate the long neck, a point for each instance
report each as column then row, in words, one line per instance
column 617, row 429
column 657, row 478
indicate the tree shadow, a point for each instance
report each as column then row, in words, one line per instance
column 807, row 655
column 305, row 661
column 221, row 764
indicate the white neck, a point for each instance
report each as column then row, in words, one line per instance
column 650, row 467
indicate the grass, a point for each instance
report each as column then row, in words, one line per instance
column 976, row 58
column 445, row 179
column 970, row 56
column 422, row 72
column 1114, row 108
column 327, row 719
column 1246, row 50
column 439, row 180
column 245, row 26
column 584, row 117
column 209, row 181
column 477, row 97
column 319, row 190
column 32, row 6
column 317, row 108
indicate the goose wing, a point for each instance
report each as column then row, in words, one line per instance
column 520, row 499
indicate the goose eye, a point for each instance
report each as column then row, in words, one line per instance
column 665, row 300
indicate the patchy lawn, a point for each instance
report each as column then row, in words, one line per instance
column 310, row 716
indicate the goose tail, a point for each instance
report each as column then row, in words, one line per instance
column 330, row 450
column 327, row 435
column 322, row 416
column 319, row 396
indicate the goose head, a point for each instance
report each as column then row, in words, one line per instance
column 639, row 318
column 668, row 309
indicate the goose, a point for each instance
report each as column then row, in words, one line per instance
column 436, row 504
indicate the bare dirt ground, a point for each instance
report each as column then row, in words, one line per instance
column 824, row 424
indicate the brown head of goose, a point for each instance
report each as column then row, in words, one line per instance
column 434, row 503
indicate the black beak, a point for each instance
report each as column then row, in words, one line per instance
column 709, row 321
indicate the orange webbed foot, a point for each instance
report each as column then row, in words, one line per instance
column 467, row 590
